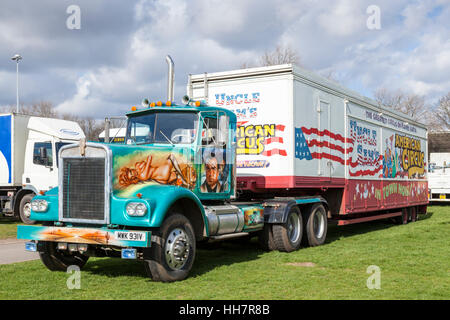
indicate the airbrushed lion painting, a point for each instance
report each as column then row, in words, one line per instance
column 153, row 167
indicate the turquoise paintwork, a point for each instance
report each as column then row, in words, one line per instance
column 157, row 196
column 159, row 199
column 51, row 214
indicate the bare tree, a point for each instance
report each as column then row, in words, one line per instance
column 281, row 55
column 442, row 113
column 408, row 103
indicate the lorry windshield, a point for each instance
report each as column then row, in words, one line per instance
column 162, row 127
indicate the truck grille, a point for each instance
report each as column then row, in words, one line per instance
column 83, row 189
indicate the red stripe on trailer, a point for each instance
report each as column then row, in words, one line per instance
column 327, row 133
column 273, row 139
column 332, row 146
column 269, row 153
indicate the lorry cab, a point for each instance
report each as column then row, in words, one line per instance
column 45, row 139
column 184, row 145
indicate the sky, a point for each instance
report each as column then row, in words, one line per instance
column 112, row 55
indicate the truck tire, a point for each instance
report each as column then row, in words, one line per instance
column 265, row 238
column 316, row 226
column 403, row 219
column 287, row 237
column 25, row 209
column 172, row 258
column 56, row 260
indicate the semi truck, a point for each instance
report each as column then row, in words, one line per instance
column 28, row 159
column 277, row 152
column 439, row 177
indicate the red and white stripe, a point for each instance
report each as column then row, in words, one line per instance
column 275, row 145
column 324, row 144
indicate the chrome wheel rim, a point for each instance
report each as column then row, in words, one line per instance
column 318, row 224
column 27, row 210
column 294, row 227
column 177, row 249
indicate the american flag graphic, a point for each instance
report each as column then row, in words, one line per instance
column 362, row 159
column 311, row 143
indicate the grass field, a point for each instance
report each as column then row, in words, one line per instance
column 414, row 260
column 8, row 227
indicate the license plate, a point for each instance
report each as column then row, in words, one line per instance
column 442, row 196
column 130, row 235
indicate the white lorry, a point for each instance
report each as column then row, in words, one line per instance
column 439, row 177
column 28, row 159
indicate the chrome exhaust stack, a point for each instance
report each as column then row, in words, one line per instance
column 170, row 78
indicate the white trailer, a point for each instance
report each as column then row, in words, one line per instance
column 28, row 158
column 299, row 133
column 439, row 177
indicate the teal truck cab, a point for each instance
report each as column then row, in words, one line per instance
column 171, row 184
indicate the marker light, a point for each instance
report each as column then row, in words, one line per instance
column 168, row 103
column 152, row 104
column 133, row 108
column 197, row 103
column 159, row 103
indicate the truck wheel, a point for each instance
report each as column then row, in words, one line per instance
column 25, row 209
column 316, row 226
column 287, row 237
column 56, row 260
column 265, row 238
column 172, row 259
column 403, row 219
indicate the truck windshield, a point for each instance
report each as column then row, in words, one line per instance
column 163, row 127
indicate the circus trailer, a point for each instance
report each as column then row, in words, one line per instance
column 299, row 134
column 275, row 153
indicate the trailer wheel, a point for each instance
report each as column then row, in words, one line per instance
column 56, row 260
column 265, row 238
column 403, row 219
column 25, row 209
column 316, row 226
column 172, row 259
column 287, row 237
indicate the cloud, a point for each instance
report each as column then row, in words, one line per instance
column 117, row 57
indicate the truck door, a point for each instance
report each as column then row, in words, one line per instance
column 216, row 161
column 325, row 163
column 39, row 171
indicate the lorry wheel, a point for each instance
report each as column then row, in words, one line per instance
column 25, row 209
column 287, row 237
column 403, row 219
column 172, row 259
column 265, row 238
column 56, row 260
column 316, row 225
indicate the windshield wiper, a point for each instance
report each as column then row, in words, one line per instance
column 167, row 138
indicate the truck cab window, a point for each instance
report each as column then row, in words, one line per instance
column 39, row 158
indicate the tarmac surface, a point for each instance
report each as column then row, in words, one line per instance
column 13, row 250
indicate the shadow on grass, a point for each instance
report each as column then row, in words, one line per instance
column 216, row 254
column 208, row 258
column 9, row 220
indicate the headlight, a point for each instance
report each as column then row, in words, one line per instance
column 39, row 205
column 136, row 209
